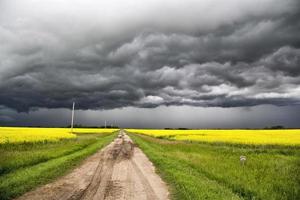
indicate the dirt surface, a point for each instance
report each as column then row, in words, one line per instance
column 119, row 171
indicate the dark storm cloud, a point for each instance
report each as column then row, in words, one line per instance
column 116, row 54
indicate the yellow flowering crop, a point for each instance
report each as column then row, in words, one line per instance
column 22, row 134
column 261, row 137
column 93, row 130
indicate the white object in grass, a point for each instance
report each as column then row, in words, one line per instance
column 243, row 159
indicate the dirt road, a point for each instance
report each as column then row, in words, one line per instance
column 119, row 171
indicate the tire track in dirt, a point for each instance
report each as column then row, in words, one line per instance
column 119, row 171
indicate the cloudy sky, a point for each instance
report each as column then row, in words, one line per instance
column 150, row 63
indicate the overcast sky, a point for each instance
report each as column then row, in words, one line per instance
column 150, row 63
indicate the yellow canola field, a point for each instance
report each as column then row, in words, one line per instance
column 259, row 137
column 93, row 130
column 22, row 134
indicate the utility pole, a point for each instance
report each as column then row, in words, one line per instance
column 105, row 124
column 72, row 122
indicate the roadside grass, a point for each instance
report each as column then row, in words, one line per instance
column 27, row 165
column 213, row 171
column 14, row 156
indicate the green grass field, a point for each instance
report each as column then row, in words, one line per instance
column 197, row 170
column 24, row 166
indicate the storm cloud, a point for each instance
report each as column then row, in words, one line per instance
column 116, row 54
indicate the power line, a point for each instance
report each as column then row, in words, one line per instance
column 72, row 122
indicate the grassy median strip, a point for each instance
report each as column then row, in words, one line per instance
column 213, row 171
column 28, row 165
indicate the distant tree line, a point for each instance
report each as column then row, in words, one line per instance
column 84, row 126
column 176, row 128
column 275, row 127
column 268, row 127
